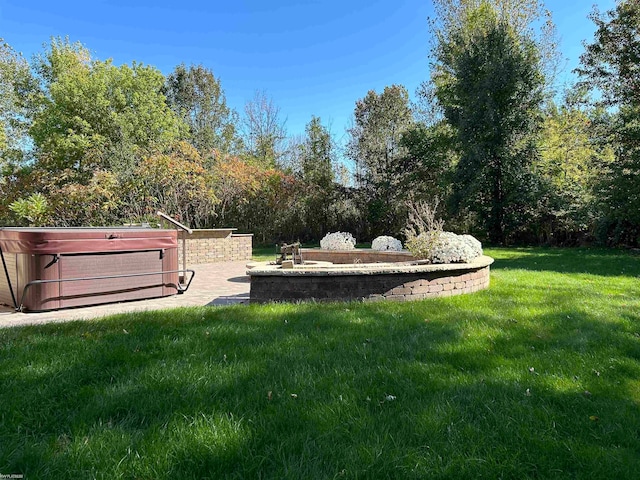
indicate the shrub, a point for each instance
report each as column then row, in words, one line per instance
column 384, row 242
column 474, row 243
column 452, row 248
column 423, row 229
column 338, row 241
column 34, row 208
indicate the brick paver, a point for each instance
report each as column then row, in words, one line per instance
column 221, row 283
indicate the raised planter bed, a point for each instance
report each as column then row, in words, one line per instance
column 390, row 280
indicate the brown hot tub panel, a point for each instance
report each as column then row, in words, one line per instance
column 52, row 268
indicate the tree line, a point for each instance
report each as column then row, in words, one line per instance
column 85, row 142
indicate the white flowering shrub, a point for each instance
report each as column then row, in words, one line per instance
column 474, row 243
column 385, row 243
column 338, row 241
column 452, row 248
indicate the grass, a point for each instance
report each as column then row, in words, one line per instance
column 537, row 377
column 263, row 253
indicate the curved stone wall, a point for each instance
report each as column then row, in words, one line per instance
column 369, row 282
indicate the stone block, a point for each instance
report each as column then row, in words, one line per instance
column 396, row 298
column 420, row 290
column 401, row 291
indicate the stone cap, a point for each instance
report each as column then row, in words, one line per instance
column 330, row 269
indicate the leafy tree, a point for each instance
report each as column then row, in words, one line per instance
column 317, row 154
column 426, row 169
column 236, row 181
column 257, row 199
column 97, row 202
column 17, row 85
column 375, row 147
column 570, row 165
column 263, row 132
column 176, row 182
column 610, row 65
column 520, row 15
column 489, row 82
column 96, row 115
column 196, row 96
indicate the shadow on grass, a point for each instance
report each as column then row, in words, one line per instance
column 430, row 389
column 564, row 260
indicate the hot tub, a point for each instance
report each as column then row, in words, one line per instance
column 52, row 268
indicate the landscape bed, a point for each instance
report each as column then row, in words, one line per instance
column 363, row 274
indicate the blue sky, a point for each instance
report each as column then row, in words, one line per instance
column 312, row 57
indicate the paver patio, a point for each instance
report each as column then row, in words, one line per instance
column 220, row 283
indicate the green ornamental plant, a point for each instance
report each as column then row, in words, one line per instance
column 34, row 208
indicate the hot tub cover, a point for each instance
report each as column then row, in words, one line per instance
column 47, row 241
column 51, row 268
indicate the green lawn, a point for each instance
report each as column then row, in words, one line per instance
column 264, row 253
column 537, row 377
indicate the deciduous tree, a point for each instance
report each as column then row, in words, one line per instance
column 17, row 87
column 263, row 131
column 196, row 96
column 176, row 182
column 611, row 66
column 318, row 157
column 489, row 81
column 375, row 147
column 97, row 115
column 570, row 165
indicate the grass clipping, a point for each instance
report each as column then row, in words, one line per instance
column 423, row 229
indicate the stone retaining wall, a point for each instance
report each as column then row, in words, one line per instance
column 388, row 283
column 215, row 245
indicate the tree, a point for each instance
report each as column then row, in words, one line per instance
column 263, row 131
column 426, row 169
column 375, row 147
column 96, row 115
column 176, row 182
column 520, row 15
column 257, row 199
column 610, row 66
column 317, row 155
column 98, row 202
column 570, row 166
column 17, row 85
column 196, row 96
column 489, row 82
